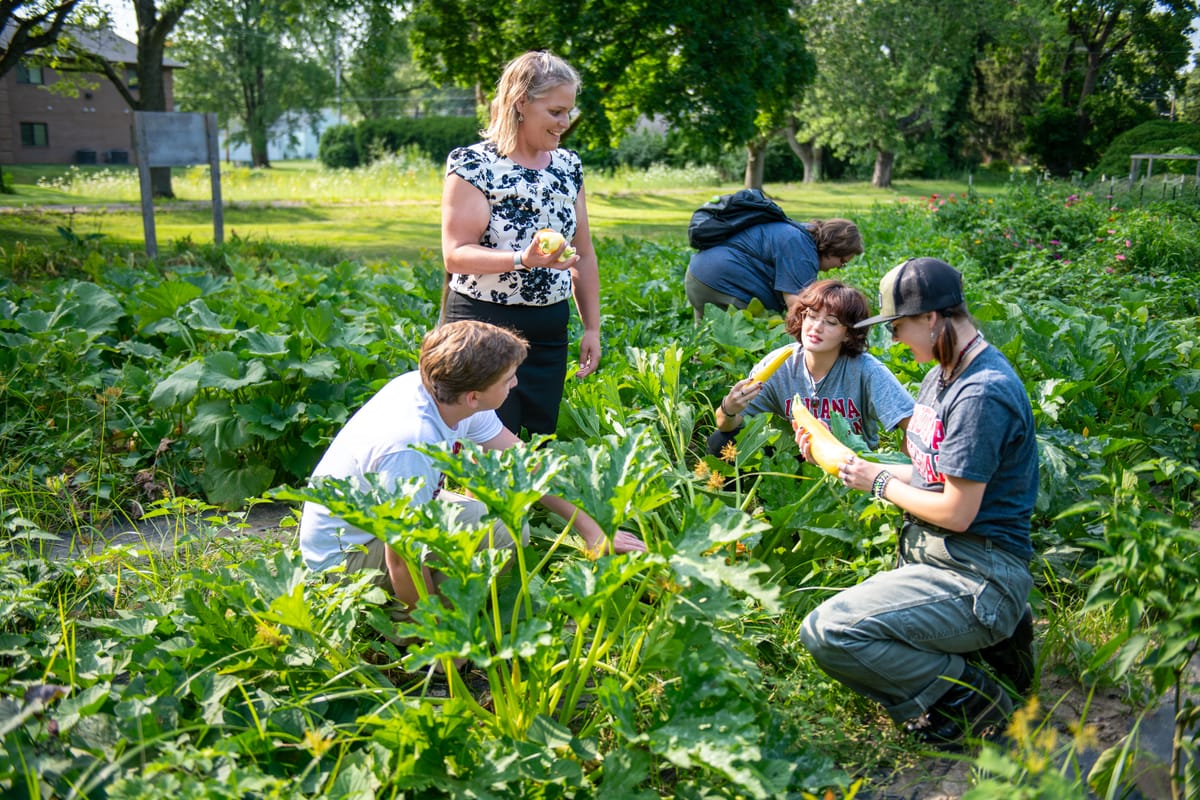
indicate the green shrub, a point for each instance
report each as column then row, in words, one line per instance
column 641, row 148
column 1157, row 136
column 433, row 136
column 338, row 149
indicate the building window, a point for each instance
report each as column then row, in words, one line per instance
column 35, row 134
column 27, row 73
column 131, row 78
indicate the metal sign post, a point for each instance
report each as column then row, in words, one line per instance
column 176, row 139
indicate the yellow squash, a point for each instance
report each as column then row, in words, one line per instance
column 775, row 363
column 826, row 450
column 548, row 240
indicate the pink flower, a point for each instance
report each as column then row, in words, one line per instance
column 1055, row 242
column 1120, row 256
column 1109, row 270
column 1128, row 243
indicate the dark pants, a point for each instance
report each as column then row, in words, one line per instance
column 533, row 404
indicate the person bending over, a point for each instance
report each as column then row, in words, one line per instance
column 772, row 263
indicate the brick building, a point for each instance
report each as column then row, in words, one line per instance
column 38, row 126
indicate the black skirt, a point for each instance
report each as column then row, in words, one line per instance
column 533, row 403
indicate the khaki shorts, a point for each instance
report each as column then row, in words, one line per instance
column 373, row 555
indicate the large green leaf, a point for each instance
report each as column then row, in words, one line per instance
column 224, row 370
column 230, row 485
column 179, row 387
column 162, row 300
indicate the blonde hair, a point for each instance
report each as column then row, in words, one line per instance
column 527, row 77
column 836, row 237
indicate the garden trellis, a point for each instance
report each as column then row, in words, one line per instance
column 1149, row 158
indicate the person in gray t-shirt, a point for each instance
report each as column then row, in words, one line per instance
column 929, row 639
column 828, row 369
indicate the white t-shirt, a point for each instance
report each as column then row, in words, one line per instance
column 378, row 439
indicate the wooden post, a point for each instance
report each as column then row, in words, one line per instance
column 214, row 171
column 141, row 153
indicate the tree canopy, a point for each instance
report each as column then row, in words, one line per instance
column 889, row 72
column 26, row 27
column 715, row 73
column 243, row 61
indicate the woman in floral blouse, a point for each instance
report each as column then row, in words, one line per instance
column 498, row 194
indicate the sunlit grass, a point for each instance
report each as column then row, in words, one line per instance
column 391, row 208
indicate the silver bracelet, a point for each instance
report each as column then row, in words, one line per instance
column 724, row 410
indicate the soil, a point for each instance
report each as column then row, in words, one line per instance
column 1108, row 714
column 934, row 778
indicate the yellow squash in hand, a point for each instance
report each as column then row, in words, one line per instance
column 768, row 369
column 826, row 450
column 548, row 240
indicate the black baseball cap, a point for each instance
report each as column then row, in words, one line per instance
column 914, row 287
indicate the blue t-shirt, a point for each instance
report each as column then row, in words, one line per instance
column 765, row 261
column 981, row 429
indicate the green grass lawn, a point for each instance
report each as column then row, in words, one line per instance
column 390, row 210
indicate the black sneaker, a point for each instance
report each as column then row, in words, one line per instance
column 975, row 706
column 1012, row 659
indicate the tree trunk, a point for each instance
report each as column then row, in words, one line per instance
column 808, row 152
column 153, row 31
column 756, row 151
column 884, row 159
column 259, row 157
column 256, row 126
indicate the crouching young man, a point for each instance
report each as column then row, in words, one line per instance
column 466, row 371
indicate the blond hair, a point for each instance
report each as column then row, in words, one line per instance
column 527, row 77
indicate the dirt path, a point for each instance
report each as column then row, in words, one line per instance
column 948, row 778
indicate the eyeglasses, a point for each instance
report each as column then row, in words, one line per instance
column 828, row 322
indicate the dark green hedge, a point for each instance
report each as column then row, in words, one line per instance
column 433, row 136
column 1157, row 136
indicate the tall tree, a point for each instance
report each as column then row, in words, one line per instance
column 149, row 93
column 1107, row 58
column 718, row 73
column 1101, row 34
column 244, row 61
column 889, row 73
column 26, row 27
column 381, row 76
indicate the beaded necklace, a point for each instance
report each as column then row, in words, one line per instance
column 945, row 380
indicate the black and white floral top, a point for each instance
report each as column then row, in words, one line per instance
column 522, row 201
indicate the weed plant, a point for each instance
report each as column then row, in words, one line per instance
column 222, row 667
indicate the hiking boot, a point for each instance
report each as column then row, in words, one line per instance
column 1012, row 659
column 973, row 706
